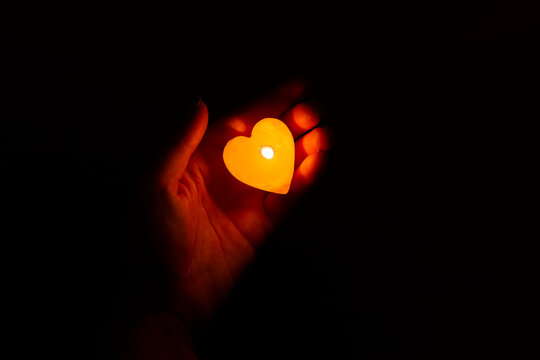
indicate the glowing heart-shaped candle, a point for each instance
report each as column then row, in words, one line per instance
column 266, row 159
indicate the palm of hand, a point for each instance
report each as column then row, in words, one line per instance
column 212, row 223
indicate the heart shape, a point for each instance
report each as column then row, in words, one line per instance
column 266, row 159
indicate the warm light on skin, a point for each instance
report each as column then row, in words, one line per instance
column 238, row 125
column 266, row 159
column 267, row 152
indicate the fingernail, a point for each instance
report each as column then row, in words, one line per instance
column 198, row 101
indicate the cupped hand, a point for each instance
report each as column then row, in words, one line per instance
column 209, row 223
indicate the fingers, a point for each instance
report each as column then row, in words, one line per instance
column 308, row 172
column 178, row 158
column 305, row 175
column 310, row 157
column 316, row 140
column 301, row 119
column 272, row 105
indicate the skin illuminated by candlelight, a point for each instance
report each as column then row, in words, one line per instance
column 209, row 223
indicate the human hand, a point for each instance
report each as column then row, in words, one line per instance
column 209, row 223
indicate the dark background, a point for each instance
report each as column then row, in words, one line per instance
column 420, row 241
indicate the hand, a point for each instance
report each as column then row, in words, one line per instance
column 209, row 222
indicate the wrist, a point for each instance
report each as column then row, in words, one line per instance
column 160, row 335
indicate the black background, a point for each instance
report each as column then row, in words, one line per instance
column 420, row 241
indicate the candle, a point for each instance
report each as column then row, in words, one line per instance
column 266, row 159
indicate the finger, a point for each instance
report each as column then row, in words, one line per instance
column 178, row 158
column 305, row 175
column 272, row 105
column 316, row 140
column 308, row 172
column 301, row 118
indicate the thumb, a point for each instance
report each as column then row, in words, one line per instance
column 176, row 161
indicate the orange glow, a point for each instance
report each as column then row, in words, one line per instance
column 303, row 118
column 238, row 125
column 266, row 159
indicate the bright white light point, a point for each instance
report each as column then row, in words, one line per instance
column 267, row 152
